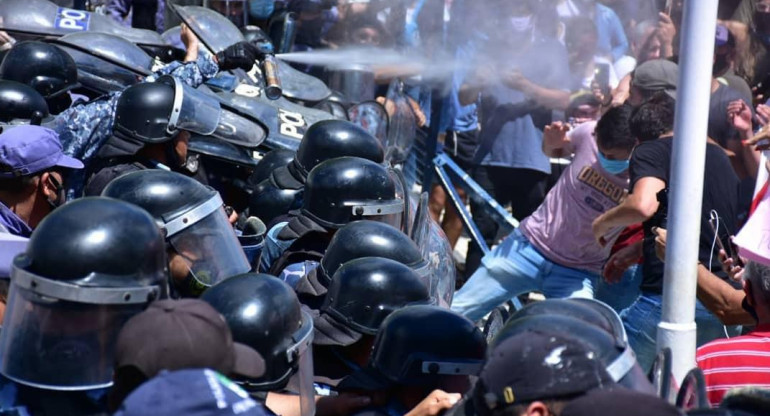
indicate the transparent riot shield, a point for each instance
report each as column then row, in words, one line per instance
column 214, row 30
column 435, row 248
column 285, row 122
column 402, row 126
column 105, row 62
column 372, row 117
column 33, row 19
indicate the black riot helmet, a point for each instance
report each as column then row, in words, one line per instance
column 363, row 292
column 268, row 201
column 153, row 112
column 271, row 161
column 263, row 312
column 46, row 68
column 417, row 345
column 328, row 139
column 194, row 220
column 21, row 102
column 90, row 266
column 370, row 239
column 614, row 352
column 346, row 189
column 624, row 368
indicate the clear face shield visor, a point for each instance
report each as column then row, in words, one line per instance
column 437, row 253
column 301, row 352
column 206, row 242
column 194, row 110
column 61, row 336
column 389, row 212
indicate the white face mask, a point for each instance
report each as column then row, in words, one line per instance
column 521, row 24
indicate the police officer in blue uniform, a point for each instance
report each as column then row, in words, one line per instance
column 90, row 266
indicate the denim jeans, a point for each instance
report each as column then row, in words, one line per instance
column 641, row 322
column 513, row 268
column 622, row 294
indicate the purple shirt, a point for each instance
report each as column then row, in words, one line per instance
column 561, row 227
column 12, row 223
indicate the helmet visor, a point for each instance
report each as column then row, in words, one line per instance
column 301, row 352
column 211, row 250
column 194, row 110
column 239, row 130
column 60, row 345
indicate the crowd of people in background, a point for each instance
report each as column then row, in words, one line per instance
column 142, row 272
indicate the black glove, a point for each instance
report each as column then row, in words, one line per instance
column 239, row 55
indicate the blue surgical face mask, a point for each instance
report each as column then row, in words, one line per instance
column 615, row 167
column 261, row 9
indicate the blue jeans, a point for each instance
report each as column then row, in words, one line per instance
column 513, row 268
column 641, row 322
column 622, row 294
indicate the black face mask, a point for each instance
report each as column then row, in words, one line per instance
column 721, row 65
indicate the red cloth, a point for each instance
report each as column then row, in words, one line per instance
column 630, row 235
column 736, row 362
column 760, row 195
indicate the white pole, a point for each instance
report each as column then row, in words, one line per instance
column 677, row 327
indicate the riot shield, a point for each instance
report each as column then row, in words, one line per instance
column 213, row 29
column 286, row 122
column 105, row 62
column 301, row 86
column 433, row 244
column 33, row 19
column 372, row 117
column 402, row 126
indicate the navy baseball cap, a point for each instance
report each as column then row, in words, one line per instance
column 537, row 365
column 197, row 392
column 26, row 150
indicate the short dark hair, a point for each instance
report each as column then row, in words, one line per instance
column 653, row 118
column 18, row 184
column 613, row 130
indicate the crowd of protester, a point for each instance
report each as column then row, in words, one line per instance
column 142, row 273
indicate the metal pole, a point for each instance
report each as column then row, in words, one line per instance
column 677, row 327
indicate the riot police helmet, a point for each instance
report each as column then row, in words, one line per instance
column 617, row 356
column 346, row 189
column 362, row 293
column 202, row 244
column 417, row 346
column 90, row 266
column 328, row 139
column 153, row 112
column 21, row 102
column 268, row 201
column 264, row 313
column 370, row 239
column 44, row 67
column 271, row 161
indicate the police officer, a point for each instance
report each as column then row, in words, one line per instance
column 264, row 314
column 338, row 191
column 420, row 349
column 46, row 68
column 85, row 128
column 201, row 243
column 89, row 267
column 362, row 294
column 21, row 104
column 152, row 126
column 273, row 198
column 355, row 240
